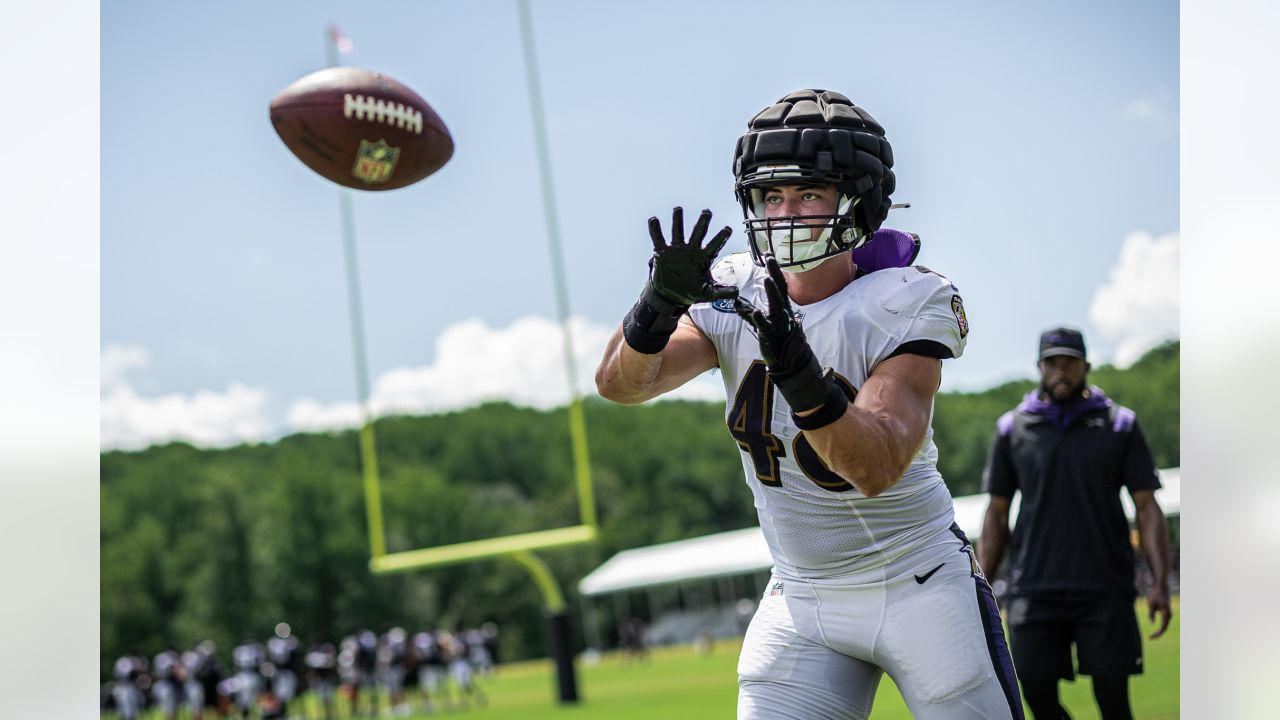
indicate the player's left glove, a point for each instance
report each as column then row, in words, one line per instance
column 792, row 364
column 679, row 276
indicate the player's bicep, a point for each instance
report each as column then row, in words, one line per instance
column 688, row 354
column 900, row 392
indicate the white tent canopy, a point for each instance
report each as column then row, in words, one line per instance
column 744, row 551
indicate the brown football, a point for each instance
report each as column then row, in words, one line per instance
column 361, row 129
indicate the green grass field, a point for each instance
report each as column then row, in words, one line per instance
column 678, row 683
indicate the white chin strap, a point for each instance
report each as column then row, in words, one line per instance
column 793, row 242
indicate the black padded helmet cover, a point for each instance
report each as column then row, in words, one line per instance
column 818, row 137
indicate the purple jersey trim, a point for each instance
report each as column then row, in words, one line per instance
column 997, row 647
column 1124, row 419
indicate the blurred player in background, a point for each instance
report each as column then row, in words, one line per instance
column 489, row 635
column 478, row 652
column 871, row 573
column 247, row 657
column 322, row 674
column 1069, row 449
column 431, row 669
column 367, row 665
column 129, row 672
column 201, row 674
column 633, row 636
column 391, row 658
column 285, row 662
column 166, row 687
column 349, row 671
column 458, row 655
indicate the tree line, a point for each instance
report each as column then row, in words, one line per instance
column 225, row 543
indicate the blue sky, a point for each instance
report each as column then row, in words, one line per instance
column 1038, row 146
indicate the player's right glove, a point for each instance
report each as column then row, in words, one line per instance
column 679, row 276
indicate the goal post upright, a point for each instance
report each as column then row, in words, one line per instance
column 517, row 548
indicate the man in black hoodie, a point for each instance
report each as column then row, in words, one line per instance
column 1069, row 449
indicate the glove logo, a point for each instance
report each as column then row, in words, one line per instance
column 724, row 305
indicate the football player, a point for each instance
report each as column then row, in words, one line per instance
column 458, row 653
column 166, row 685
column 201, row 672
column 367, row 664
column 284, row 659
column 349, row 672
column 130, row 675
column 248, row 657
column 391, row 657
column 431, row 669
column 830, row 373
column 322, row 674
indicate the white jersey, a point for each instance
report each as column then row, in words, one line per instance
column 818, row 525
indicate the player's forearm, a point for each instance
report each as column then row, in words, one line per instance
column 992, row 542
column 1153, row 536
column 869, row 451
column 626, row 376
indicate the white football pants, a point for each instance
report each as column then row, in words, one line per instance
column 816, row 649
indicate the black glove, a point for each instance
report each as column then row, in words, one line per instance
column 792, row 364
column 679, row 276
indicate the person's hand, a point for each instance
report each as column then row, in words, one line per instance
column 1158, row 602
column 783, row 346
column 681, row 271
column 782, row 342
column 679, row 276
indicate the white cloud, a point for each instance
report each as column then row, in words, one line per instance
column 522, row 364
column 1138, row 307
column 206, row 418
column 310, row 415
column 116, row 361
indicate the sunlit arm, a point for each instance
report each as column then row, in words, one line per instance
column 629, row 377
column 873, row 443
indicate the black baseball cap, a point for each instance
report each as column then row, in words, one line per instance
column 1061, row 341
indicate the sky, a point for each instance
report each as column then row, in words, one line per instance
column 1037, row 144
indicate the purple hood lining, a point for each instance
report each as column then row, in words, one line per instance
column 1062, row 416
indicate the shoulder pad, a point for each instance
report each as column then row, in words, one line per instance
column 916, row 303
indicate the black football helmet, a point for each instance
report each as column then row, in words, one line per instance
column 813, row 137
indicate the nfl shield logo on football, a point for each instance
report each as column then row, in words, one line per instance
column 375, row 162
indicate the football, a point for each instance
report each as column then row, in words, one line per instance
column 361, row 129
